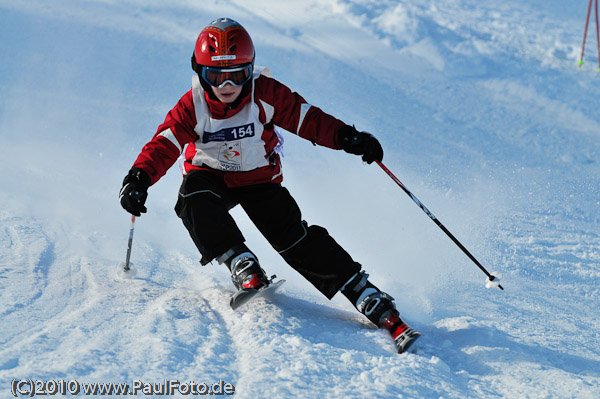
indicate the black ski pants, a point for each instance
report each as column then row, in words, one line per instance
column 203, row 206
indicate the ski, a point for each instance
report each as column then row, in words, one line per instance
column 404, row 342
column 245, row 295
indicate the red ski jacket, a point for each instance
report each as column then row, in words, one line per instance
column 240, row 143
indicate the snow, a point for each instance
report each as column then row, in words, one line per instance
column 483, row 114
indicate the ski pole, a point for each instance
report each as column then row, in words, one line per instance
column 126, row 267
column 437, row 222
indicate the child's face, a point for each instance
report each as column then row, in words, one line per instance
column 228, row 93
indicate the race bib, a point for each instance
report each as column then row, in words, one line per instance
column 229, row 134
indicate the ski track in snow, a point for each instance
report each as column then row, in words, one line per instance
column 294, row 347
column 483, row 114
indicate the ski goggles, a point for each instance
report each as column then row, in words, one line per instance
column 219, row 77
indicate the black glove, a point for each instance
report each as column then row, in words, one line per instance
column 134, row 192
column 360, row 143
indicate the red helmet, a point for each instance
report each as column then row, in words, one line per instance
column 223, row 43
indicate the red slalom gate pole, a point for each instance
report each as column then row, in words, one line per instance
column 597, row 36
column 587, row 22
column 437, row 222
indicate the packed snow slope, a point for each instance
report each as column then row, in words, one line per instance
column 482, row 113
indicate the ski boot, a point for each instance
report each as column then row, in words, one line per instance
column 247, row 273
column 380, row 309
column 245, row 269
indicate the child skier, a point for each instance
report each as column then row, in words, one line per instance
column 225, row 127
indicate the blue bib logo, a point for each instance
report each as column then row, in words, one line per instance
column 229, row 134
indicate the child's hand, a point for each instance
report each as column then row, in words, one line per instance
column 360, row 143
